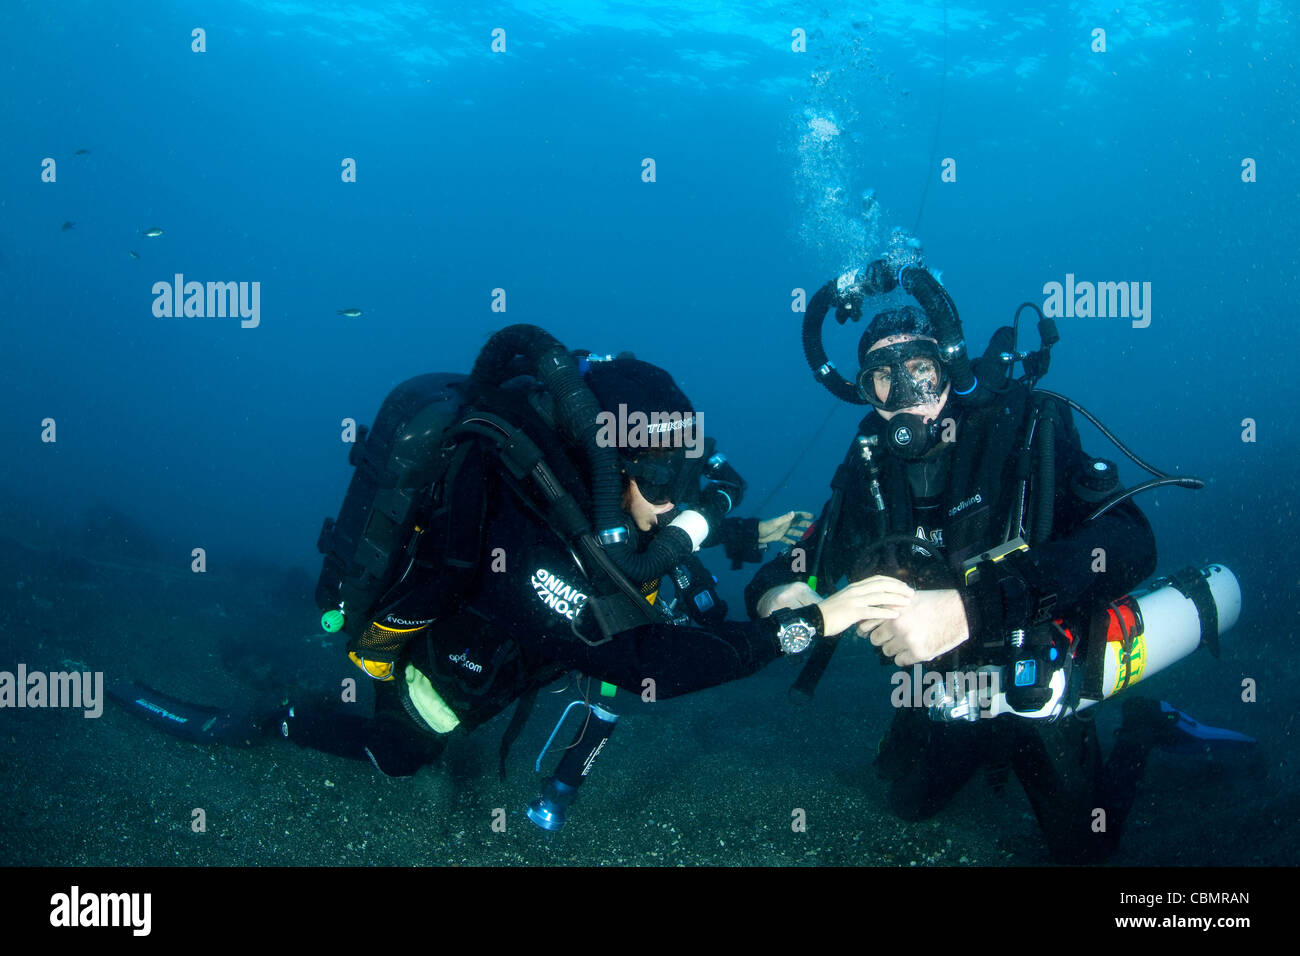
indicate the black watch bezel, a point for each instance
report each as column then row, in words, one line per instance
column 789, row 622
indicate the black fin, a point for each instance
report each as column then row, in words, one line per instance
column 179, row 718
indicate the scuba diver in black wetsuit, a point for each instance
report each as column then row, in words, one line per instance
column 509, row 527
column 974, row 489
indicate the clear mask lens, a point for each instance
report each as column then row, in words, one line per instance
column 903, row 376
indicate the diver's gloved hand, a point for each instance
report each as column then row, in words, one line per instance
column 796, row 594
column 933, row 624
column 876, row 601
column 704, row 519
column 696, row 523
column 787, row 529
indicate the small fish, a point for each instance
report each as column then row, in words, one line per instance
column 68, row 225
column 134, row 254
column 153, row 233
column 350, row 313
column 82, row 152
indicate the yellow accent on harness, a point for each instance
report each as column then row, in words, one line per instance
column 399, row 630
column 379, row 670
column 970, row 567
column 428, row 703
column 652, row 596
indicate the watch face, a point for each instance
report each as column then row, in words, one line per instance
column 796, row 636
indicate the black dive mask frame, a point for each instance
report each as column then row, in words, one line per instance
column 666, row 475
column 662, row 477
column 905, row 389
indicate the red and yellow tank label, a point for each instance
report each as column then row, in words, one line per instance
column 1137, row 662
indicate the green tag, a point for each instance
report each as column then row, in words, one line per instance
column 332, row 621
column 812, row 581
column 607, row 690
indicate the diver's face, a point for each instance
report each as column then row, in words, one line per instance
column 644, row 513
column 922, row 370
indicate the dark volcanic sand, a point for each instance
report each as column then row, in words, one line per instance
column 712, row 779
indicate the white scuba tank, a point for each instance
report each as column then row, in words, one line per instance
column 1147, row 631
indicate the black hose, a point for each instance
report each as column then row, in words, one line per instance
column 496, row 361
column 577, row 412
column 814, row 351
column 1161, row 478
column 1117, row 443
column 1015, row 327
column 942, row 312
column 877, row 279
column 1194, row 483
column 1015, row 524
column 1045, row 486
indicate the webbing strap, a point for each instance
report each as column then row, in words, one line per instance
column 517, row 721
column 1095, row 662
column 1192, row 584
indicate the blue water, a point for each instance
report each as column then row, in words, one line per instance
column 522, row 170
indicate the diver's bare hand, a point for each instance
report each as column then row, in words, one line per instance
column 787, row 529
column 871, row 601
column 796, row 594
column 933, row 624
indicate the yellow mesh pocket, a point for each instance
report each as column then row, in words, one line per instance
column 377, row 649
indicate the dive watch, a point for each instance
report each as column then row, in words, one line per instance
column 794, row 632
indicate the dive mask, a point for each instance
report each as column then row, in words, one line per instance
column 665, row 475
column 903, row 375
column 669, row 475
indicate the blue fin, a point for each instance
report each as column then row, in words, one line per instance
column 1188, row 735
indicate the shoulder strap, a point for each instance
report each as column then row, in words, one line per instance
column 621, row 607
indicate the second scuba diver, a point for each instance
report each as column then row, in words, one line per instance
column 974, row 489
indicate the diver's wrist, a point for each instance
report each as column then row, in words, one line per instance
column 695, row 525
column 796, row 629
